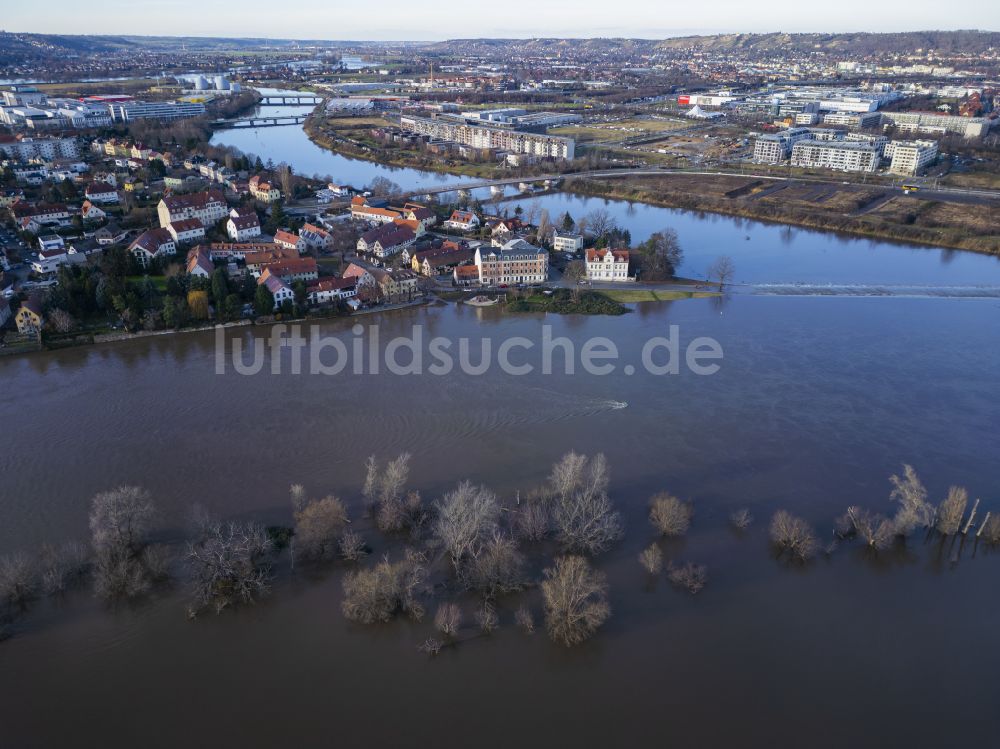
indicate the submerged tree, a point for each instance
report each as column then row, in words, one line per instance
column 951, row 510
column 464, row 518
column 378, row 593
column 229, row 565
column 495, row 566
column 318, row 528
column 877, row 531
column 576, row 602
column 119, row 523
column 448, row 619
column 689, row 576
column 582, row 512
column 18, row 579
column 914, row 510
column 651, row 559
column 793, row 535
column 669, row 515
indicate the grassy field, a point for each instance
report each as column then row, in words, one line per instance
column 615, row 131
column 628, row 296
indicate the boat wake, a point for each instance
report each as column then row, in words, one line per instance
column 873, row 290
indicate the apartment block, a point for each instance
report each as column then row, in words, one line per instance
column 932, row 122
column 840, row 155
column 481, row 136
column 910, row 158
column 774, row 148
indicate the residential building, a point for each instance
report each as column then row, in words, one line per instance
column 396, row 285
column 327, row 290
column 934, row 122
column 289, row 240
column 152, row 244
column 186, row 230
column 279, row 289
column 243, row 225
column 911, row 158
column 262, row 190
column 47, row 149
column 29, row 318
column 256, row 261
column 49, row 242
column 49, row 261
column 373, row 214
column 856, row 120
column 436, row 262
column 564, row 241
column 315, row 238
column 773, row 148
column 101, row 192
column 840, row 155
column 208, row 207
column 386, row 241
column 110, row 234
column 465, row 275
column 607, row 265
column 43, row 214
column 292, row 269
column 484, row 137
column 516, row 262
column 415, row 212
column 90, row 212
column 199, row 263
column 230, row 251
column 462, row 221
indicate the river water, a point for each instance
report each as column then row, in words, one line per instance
column 817, row 401
column 289, row 144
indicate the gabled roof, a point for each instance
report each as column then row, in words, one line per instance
column 594, row 256
column 193, row 200
column 286, row 236
column 244, row 221
column 151, row 240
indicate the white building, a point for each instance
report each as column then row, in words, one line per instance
column 910, row 158
column 25, row 149
column 567, row 241
column 774, row 148
column 931, row 122
column 840, row 155
column 156, row 110
column 479, row 136
column 186, row 230
column 243, row 225
column 208, row 207
column 607, row 265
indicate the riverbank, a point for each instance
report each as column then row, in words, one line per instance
column 859, row 210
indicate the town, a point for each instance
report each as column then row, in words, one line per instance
column 121, row 216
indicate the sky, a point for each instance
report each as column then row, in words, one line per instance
column 434, row 19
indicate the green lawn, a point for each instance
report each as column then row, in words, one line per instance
column 160, row 282
column 654, row 295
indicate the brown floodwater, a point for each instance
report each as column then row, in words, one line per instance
column 817, row 402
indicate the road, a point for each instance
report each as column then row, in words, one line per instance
column 943, row 193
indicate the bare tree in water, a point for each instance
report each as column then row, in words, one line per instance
column 722, row 270
column 913, row 508
column 576, row 600
column 669, row 515
column 793, row 536
column 584, row 517
column 951, row 510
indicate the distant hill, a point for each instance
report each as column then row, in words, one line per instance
column 23, row 47
column 861, row 43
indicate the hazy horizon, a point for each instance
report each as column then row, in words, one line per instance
column 403, row 21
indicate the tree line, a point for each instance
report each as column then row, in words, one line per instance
column 458, row 561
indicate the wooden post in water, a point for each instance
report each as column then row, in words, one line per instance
column 972, row 517
column 983, row 526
